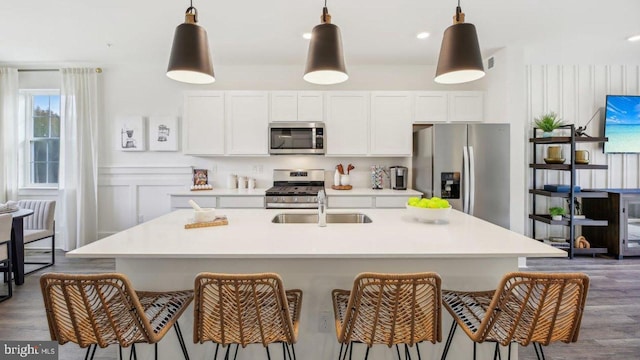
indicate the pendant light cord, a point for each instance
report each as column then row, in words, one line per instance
column 193, row 10
column 325, row 12
column 458, row 11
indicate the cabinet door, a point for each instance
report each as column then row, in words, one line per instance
column 284, row 106
column 390, row 124
column 466, row 106
column 203, row 123
column 310, row 106
column 347, row 123
column 430, row 106
column 631, row 221
column 247, row 123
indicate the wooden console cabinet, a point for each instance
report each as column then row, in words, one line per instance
column 622, row 210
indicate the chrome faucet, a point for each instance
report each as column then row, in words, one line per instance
column 322, row 208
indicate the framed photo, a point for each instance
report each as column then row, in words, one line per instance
column 163, row 133
column 131, row 134
column 200, row 177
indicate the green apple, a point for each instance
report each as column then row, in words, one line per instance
column 413, row 201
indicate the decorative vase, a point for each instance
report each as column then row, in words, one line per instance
column 556, row 217
column 547, row 134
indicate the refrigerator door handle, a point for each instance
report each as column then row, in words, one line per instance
column 472, row 180
column 465, row 179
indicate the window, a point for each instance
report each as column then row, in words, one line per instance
column 42, row 137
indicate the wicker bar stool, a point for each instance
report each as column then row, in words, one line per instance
column 103, row 309
column 538, row 308
column 389, row 309
column 245, row 309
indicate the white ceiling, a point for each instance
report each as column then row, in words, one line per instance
column 45, row 32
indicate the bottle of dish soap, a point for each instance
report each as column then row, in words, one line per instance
column 336, row 178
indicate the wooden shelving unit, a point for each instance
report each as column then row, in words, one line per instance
column 571, row 166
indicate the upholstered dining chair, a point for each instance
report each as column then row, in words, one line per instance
column 6, row 221
column 526, row 308
column 40, row 226
column 245, row 309
column 389, row 309
column 104, row 309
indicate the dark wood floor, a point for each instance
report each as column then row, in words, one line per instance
column 610, row 327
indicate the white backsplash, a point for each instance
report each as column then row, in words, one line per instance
column 261, row 168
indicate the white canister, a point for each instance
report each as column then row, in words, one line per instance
column 242, row 182
column 344, row 180
column 231, row 181
column 251, row 183
column 336, row 178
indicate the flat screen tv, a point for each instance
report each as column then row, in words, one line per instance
column 622, row 124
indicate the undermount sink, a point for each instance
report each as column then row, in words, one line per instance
column 350, row 218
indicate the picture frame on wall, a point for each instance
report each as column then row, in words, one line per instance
column 131, row 133
column 163, row 133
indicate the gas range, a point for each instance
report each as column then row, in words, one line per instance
column 295, row 189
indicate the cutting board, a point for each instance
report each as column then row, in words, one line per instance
column 218, row 221
column 341, row 187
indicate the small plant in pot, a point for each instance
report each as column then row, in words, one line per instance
column 556, row 213
column 547, row 123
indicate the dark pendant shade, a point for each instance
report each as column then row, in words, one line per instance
column 460, row 60
column 325, row 60
column 190, row 61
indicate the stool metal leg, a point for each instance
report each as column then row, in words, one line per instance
column 366, row 355
column 418, row 351
column 447, row 345
column 398, row 351
column 509, row 357
column 268, row 355
column 176, row 326
column 133, row 354
column 340, row 353
column 474, row 350
column 407, row 354
column 215, row 354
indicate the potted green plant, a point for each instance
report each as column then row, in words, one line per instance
column 547, row 123
column 556, row 213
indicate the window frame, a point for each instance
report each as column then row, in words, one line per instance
column 26, row 137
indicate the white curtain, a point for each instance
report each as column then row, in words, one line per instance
column 8, row 134
column 79, row 157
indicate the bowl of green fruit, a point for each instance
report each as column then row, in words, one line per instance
column 429, row 210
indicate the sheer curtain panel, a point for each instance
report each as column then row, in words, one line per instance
column 79, row 157
column 8, row 134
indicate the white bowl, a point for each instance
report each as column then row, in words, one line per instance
column 429, row 214
column 205, row 215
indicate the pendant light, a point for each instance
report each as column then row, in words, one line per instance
column 190, row 61
column 460, row 60
column 325, row 60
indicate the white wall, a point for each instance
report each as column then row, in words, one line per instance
column 576, row 92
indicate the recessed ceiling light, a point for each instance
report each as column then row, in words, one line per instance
column 423, row 35
column 307, row 36
column 634, row 38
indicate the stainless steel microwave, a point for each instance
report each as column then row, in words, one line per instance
column 291, row 138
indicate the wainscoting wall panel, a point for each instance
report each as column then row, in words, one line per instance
column 576, row 93
column 131, row 195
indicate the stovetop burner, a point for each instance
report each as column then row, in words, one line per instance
column 294, row 190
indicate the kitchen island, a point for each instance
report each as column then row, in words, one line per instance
column 468, row 253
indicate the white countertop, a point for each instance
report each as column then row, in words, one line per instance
column 251, row 234
column 221, row 192
column 328, row 190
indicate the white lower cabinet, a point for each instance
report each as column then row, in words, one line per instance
column 220, row 202
column 391, row 201
column 241, row 202
column 182, row 202
column 367, row 202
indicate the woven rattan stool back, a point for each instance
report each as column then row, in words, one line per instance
column 389, row 309
column 526, row 307
column 245, row 309
column 93, row 309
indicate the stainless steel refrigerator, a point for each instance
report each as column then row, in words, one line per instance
column 467, row 165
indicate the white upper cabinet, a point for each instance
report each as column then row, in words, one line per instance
column 466, row 106
column 296, row 106
column 284, row 106
column 310, row 106
column 391, row 124
column 203, row 123
column 448, row 106
column 347, row 123
column 430, row 106
column 247, row 121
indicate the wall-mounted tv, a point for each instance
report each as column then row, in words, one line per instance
column 622, row 124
